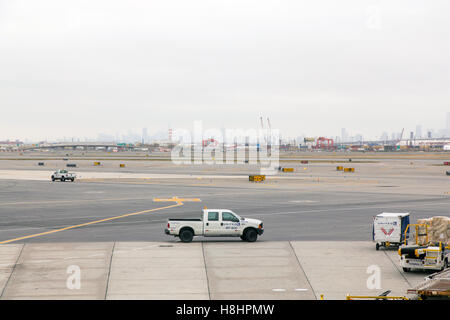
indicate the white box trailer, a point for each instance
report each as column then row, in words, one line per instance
column 389, row 229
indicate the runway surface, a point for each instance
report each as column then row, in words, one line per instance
column 306, row 212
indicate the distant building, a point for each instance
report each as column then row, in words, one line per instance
column 344, row 135
column 418, row 132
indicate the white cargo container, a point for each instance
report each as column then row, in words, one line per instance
column 389, row 229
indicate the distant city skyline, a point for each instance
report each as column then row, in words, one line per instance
column 147, row 135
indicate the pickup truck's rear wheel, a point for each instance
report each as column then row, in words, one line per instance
column 53, row 178
column 251, row 235
column 186, row 235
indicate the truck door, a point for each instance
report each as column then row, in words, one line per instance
column 212, row 224
column 230, row 224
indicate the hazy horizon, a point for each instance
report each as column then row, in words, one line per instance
column 78, row 69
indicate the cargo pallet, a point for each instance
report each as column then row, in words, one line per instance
column 435, row 286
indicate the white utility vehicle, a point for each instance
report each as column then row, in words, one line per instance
column 215, row 223
column 389, row 229
column 63, row 175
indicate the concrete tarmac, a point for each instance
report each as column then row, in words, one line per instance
column 207, row 270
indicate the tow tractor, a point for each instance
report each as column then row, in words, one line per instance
column 429, row 256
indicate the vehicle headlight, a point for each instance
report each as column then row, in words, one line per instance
column 260, row 226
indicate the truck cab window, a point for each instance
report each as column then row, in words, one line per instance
column 213, row 216
column 228, row 216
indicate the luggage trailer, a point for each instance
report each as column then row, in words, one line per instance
column 390, row 229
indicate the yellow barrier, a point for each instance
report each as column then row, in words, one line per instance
column 287, row 169
column 339, row 168
column 96, row 163
column 122, row 165
column 349, row 169
column 257, row 178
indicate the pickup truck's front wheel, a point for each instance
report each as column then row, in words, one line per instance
column 251, row 235
column 186, row 235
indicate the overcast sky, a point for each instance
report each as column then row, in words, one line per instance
column 77, row 68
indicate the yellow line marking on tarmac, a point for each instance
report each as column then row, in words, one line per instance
column 89, row 223
column 177, row 200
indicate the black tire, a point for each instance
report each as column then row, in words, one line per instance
column 73, row 179
column 53, row 178
column 445, row 266
column 63, row 179
column 251, row 235
column 186, row 235
column 243, row 238
column 377, row 246
column 406, row 269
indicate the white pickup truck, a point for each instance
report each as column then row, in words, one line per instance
column 215, row 223
column 63, row 175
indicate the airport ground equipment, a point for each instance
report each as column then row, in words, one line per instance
column 430, row 249
column 447, row 163
column 122, row 165
column 339, row 168
column 428, row 257
column 257, row 178
column 71, row 165
column 41, row 163
column 447, row 173
column 97, row 163
column 282, row 169
column 215, row 223
column 349, row 169
column 389, row 229
column 63, row 175
column 382, row 296
column 435, row 286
